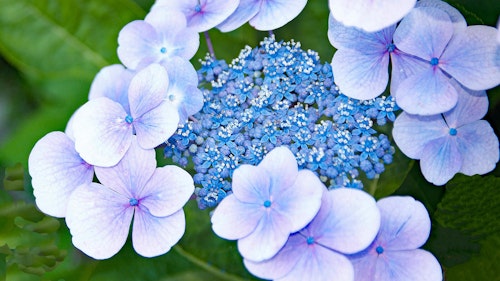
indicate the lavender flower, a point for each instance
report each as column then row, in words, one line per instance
column 269, row 201
column 99, row 215
column 347, row 222
column 456, row 141
column 394, row 254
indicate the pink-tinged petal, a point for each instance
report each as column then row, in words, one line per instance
column 441, row 160
column 246, row 10
column 301, row 201
column 478, row 146
column 147, row 89
column 102, row 136
column 281, row 164
column 456, row 17
column 99, row 220
column 360, row 76
column 424, row 33
column 267, row 238
column 233, row 219
column 283, row 262
column 275, row 14
column 471, row 58
column 405, row 265
column 347, row 222
column 412, row 132
column 251, row 184
column 156, row 126
column 112, row 82
column 167, row 191
column 138, row 41
column 426, row 93
column 153, row 236
column 471, row 106
column 370, row 15
column 131, row 173
column 404, row 66
column 365, row 265
column 56, row 170
column 405, row 223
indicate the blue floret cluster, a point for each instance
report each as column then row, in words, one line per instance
column 279, row 95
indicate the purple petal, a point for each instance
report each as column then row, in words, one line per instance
column 412, row 132
column 267, row 238
column 405, row 223
column 360, row 76
column 56, row 170
column 112, row 82
column 404, row 66
column 245, row 11
column 275, row 14
column 138, row 41
column 281, row 165
column 102, row 136
column 478, row 146
column 153, row 236
column 424, row 33
column 441, row 160
column 156, row 126
column 426, row 93
column 347, row 222
column 251, row 184
column 301, row 201
column 147, row 89
column 99, row 220
column 471, row 106
column 370, row 15
column 233, row 219
column 130, row 174
column 167, row 191
column 456, row 17
column 471, row 58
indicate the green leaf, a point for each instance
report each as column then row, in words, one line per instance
column 478, row 11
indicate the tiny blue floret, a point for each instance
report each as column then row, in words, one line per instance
column 197, row 8
column 310, row 240
column 453, row 131
column 434, row 61
column 129, row 119
column 163, row 50
column 133, row 202
column 379, row 250
column 391, row 47
column 267, row 203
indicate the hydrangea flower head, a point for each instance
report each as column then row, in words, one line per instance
column 201, row 15
column 162, row 35
column 103, row 129
column 452, row 142
column 269, row 201
column 99, row 215
column 346, row 223
column 394, row 254
column 56, row 170
column 263, row 14
column 370, row 15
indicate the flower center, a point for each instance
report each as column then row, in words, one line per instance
column 379, row 250
column 197, row 8
column 133, row 202
column 129, row 119
column 453, row 131
column 310, row 240
column 163, row 50
column 434, row 61
column 267, row 203
column 391, row 47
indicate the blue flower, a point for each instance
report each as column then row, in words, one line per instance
column 452, row 142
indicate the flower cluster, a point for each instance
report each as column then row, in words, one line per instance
column 274, row 95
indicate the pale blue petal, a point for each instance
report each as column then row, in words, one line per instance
column 456, row 17
column 426, row 93
column 56, row 170
column 479, row 148
column 441, row 160
column 471, row 106
column 471, row 58
column 281, row 164
column 156, row 126
column 245, row 11
column 99, row 220
column 267, row 238
column 137, row 41
column 112, row 82
column 405, row 223
column 404, row 66
column 301, row 201
column 166, row 22
column 153, row 236
column 147, row 89
column 276, row 13
column 168, row 190
column 130, row 175
column 102, row 136
column 407, row 265
column 251, row 184
column 347, row 222
column 370, row 15
column 233, row 219
column 360, row 76
column 424, row 33
column 412, row 132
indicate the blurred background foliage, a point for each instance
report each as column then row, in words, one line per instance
column 50, row 50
